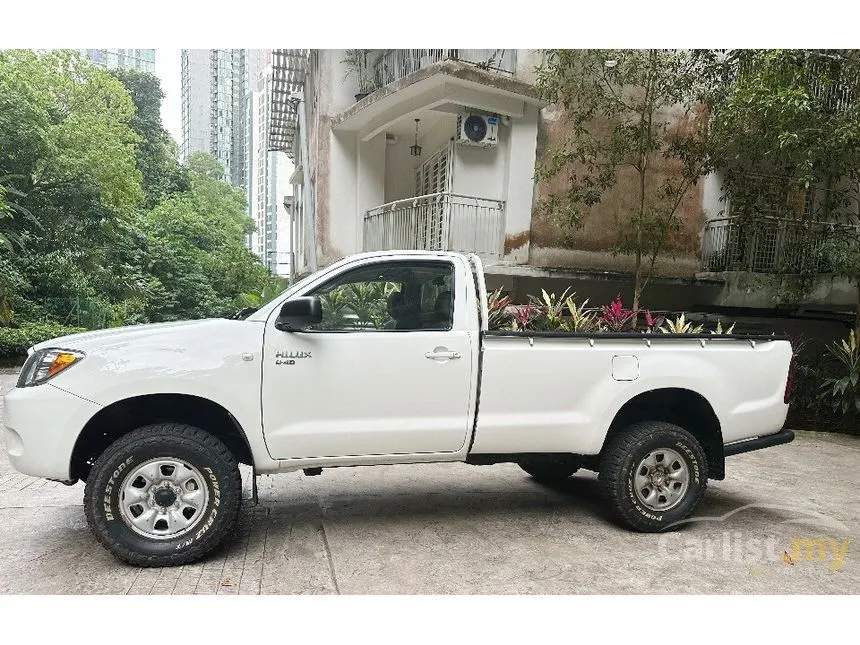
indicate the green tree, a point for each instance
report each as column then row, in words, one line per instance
column 157, row 154
column 621, row 108
column 99, row 225
column 785, row 134
column 196, row 244
column 67, row 170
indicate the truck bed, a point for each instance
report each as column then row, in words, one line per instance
column 559, row 392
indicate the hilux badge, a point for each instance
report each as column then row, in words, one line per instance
column 289, row 358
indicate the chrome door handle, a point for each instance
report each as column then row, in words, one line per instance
column 439, row 355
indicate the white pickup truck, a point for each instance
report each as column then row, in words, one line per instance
column 381, row 358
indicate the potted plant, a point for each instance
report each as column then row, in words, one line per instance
column 358, row 61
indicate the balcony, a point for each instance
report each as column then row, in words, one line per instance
column 771, row 245
column 399, row 85
column 438, row 222
column 394, row 64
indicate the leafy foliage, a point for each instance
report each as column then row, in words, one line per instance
column 615, row 318
column 498, row 316
column 785, row 135
column 580, row 320
column 616, row 105
column 14, row 342
column 843, row 390
column 549, row 310
column 357, row 305
column 680, row 326
column 156, row 155
column 99, row 224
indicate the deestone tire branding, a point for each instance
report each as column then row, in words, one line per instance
column 693, row 460
column 110, row 484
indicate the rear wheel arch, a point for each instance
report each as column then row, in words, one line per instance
column 126, row 415
column 682, row 407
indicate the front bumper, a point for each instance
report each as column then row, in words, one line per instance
column 757, row 443
column 42, row 424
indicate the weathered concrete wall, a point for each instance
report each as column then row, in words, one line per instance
column 741, row 289
column 519, row 188
column 604, row 225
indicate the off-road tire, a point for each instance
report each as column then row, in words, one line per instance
column 624, row 452
column 549, row 468
column 164, row 440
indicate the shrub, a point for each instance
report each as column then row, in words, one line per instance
column 581, row 320
column 549, row 310
column 561, row 313
column 14, row 342
column 524, row 317
column 843, row 390
column 615, row 318
column 681, row 326
column 498, row 316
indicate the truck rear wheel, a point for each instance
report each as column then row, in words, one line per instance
column 549, row 468
column 163, row 495
column 653, row 475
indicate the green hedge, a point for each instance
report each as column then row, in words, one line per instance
column 14, row 342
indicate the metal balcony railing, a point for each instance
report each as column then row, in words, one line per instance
column 437, row 222
column 771, row 245
column 395, row 64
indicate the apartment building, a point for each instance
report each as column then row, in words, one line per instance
column 142, row 60
column 436, row 149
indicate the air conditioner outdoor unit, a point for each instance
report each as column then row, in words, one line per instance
column 477, row 130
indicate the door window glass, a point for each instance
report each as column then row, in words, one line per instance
column 389, row 296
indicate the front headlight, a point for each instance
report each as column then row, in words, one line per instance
column 45, row 364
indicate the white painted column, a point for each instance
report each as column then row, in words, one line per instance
column 342, row 196
column 370, row 182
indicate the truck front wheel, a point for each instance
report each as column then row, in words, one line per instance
column 653, row 475
column 163, row 495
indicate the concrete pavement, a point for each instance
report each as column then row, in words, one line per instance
column 453, row 528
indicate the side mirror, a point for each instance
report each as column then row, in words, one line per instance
column 299, row 313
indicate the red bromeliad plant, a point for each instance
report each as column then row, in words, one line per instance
column 524, row 317
column 498, row 316
column 615, row 318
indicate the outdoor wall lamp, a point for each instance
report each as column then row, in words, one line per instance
column 415, row 150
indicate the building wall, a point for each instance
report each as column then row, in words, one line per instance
column 481, row 172
column 605, row 224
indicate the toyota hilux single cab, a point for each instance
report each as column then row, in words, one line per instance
column 380, row 358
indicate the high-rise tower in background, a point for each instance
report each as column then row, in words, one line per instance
column 139, row 59
column 225, row 112
column 269, row 177
column 215, row 83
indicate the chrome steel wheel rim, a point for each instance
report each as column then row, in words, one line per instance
column 163, row 498
column 661, row 480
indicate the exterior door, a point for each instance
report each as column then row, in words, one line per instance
column 387, row 371
column 433, row 177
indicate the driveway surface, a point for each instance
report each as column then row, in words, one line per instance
column 783, row 521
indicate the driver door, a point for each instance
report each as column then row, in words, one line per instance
column 387, row 371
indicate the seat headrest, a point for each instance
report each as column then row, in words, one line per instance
column 395, row 303
column 443, row 304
